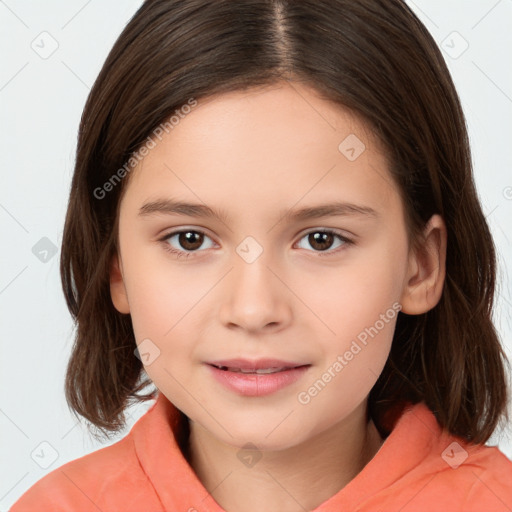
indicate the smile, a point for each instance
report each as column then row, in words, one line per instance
column 256, row 378
column 258, row 371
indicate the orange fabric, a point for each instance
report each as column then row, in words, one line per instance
column 146, row 472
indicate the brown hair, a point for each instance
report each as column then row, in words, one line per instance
column 373, row 57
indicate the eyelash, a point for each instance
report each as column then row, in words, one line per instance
column 346, row 242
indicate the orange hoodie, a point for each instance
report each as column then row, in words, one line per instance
column 418, row 468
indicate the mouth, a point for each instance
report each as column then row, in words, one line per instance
column 259, row 367
column 257, row 378
column 257, row 371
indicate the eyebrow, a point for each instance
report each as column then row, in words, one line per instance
column 173, row 207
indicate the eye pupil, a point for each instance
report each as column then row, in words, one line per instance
column 190, row 240
column 324, row 240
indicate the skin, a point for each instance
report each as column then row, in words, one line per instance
column 253, row 155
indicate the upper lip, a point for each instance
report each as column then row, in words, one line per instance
column 256, row 364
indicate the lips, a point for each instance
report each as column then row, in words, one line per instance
column 256, row 378
column 258, row 367
column 259, row 371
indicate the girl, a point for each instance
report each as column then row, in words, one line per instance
column 273, row 217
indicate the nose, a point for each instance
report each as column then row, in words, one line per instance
column 254, row 299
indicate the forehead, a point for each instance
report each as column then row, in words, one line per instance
column 265, row 147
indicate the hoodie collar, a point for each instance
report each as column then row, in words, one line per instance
column 156, row 436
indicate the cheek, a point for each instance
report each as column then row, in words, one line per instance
column 360, row 303
column 352, row 365
column 161, row 293
column 353, row 296
column 163, row 304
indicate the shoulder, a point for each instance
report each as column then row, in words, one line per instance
column 481, row 483
column 466, row 477
column 429, row 470
column 486, row 474
column 84, row 484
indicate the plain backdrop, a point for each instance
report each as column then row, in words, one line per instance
column 52, row 52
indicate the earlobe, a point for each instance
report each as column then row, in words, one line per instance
column 427, row 269
column 117, row 287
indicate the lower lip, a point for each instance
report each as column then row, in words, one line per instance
column 252, row 384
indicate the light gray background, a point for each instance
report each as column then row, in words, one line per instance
column 41, row 100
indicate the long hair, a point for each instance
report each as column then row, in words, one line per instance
column 373, row 57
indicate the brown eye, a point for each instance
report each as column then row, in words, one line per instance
column 190, row 240
column 320, row 240
column 323, row 240
column 186, row 242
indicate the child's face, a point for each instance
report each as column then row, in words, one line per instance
column 255, row 285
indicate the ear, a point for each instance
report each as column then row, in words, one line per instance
column 117, row 288
column 426, row 269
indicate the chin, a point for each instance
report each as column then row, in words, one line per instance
column 268, row 435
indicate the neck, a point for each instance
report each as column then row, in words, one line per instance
column 291, row 480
